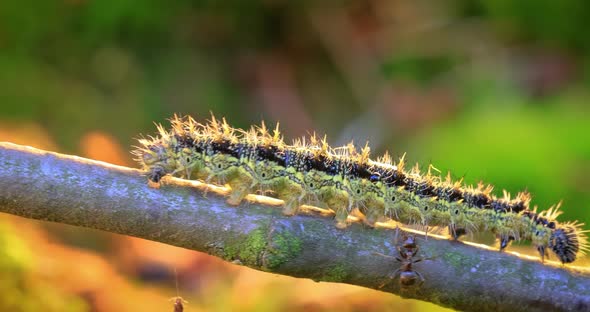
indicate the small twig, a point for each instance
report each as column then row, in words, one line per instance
column 72, row 190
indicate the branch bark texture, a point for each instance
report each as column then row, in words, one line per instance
column 72, row 190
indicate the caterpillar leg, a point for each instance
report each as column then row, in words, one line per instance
column 341, row 218
column 338, row 202
column 542, row 253
column 456, row 232
column 505, row 241
column 237, row 195
column 291, row 193
column 409, row 214
column 291, row 207
column 241, row 185
column 372, row 216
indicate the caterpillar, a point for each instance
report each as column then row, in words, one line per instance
column 310, row 172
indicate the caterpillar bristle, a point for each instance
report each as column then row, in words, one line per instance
column 311, row 172
column 385, row 159
column 582, row 236
column 400, row 165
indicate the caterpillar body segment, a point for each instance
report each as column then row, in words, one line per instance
column 367, row 197
column 310, row 172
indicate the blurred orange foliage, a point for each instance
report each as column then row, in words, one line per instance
column 101, row 146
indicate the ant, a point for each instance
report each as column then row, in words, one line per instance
column 178, row 301
column 407, row 276
column 178, row 304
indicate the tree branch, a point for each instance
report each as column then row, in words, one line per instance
column 68, row 189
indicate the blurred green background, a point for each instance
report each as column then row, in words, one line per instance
column 492, row 90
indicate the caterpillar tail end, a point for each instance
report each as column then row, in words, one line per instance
column 567, row 241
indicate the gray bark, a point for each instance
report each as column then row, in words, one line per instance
column 67, row 189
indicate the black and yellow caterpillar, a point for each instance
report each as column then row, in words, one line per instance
column 310, row 172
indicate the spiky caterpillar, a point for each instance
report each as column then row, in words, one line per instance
column 310, row 172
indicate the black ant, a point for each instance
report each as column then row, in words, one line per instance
column 407, row 276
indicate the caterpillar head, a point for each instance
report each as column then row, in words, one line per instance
column 566, row 241
column 148, row 156
column 152, row 151
column 156, row 159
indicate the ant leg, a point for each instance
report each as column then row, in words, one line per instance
column 415, row 251
column 390, row 278
column 384, row 283
column 395, row 274
column 383, row 255
column 421, row 278
column 401, row 252
column 423, row 259
column 419, row 259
